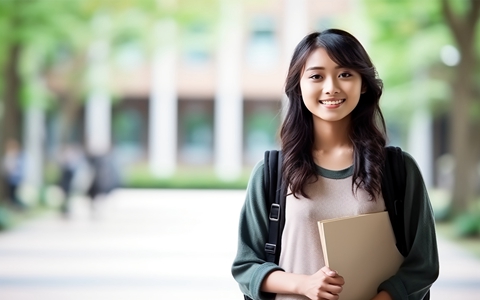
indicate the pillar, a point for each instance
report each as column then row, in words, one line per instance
column 98, row 105
column 228, row 97
column 163, row 102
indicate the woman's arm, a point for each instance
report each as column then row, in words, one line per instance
column 382, row 296
column 421, row 266
column 250, row 266
column 325, row 284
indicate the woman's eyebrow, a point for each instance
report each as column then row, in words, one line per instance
column 315, row 68
column 321, row 68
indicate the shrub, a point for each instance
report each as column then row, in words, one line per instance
column 184, row 178
column 5, row 219
column 467, row 224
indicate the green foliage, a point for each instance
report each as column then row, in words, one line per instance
column 39, row 28
column 5, row 219
column 188, row 178
column 467, row 224
column 441, row 200
column 448, row 230
column 52, row 32
column 406, row 41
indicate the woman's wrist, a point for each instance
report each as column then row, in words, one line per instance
column 283, row 283
column 382, row 295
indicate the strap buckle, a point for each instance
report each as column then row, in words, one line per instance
column 270, row 248
column 274, row 212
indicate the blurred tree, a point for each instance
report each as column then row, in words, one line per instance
column 28, row 31
column 47, row 43
column 465, row 142
column 408, row 38
column 130, row 24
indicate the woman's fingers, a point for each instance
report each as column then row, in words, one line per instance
column 327, row 271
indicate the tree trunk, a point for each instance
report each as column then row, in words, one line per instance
column 11, row 117
column 464, row 31
column 474, row 134
column 68, row 115
column 461, row 148
column 12, row 123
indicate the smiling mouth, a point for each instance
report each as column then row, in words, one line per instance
column 332, row 102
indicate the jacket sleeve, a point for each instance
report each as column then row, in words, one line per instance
column 250, row 266
column 420, row 268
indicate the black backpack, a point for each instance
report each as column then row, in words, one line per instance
column 393, row 189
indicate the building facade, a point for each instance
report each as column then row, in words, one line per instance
column 214, row 101
column 206, row 94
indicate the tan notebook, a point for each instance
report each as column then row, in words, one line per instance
column 361, row 249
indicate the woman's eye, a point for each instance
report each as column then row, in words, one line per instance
column 315, row 76
column 345, row 74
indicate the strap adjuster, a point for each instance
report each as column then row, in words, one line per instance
column 274, row 212
column 270, row 248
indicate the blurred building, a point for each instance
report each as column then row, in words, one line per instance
column 206, row 95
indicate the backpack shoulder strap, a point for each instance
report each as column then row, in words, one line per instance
column 393, row 189
column 275, row 198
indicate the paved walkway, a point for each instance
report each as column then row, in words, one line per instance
column 150, row 244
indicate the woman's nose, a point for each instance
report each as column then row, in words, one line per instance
column 330, row 86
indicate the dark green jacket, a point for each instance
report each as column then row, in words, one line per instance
column 414, row 278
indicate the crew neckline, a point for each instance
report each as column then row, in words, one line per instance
column 335, row 174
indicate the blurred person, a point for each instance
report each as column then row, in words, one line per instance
column 71, row 160
column 332, row 141
column 13, row 171
column 105, row 179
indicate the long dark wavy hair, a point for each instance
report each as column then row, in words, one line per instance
column 367, row 128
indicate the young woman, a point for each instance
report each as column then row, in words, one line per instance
column 332, row 140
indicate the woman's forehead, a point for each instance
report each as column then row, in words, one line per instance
column 319, row 59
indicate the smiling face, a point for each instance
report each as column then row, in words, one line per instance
column 329, row 91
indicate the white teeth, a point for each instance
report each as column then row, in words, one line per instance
column 333, row 102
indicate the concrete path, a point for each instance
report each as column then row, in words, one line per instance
column 152, row 244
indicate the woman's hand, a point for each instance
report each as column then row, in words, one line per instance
column 325, row 284
column 382, row 296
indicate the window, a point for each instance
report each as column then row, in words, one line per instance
column 262, row 45
column 196, row 45
column 129, row 55
column 196, row 131
column 262, row 121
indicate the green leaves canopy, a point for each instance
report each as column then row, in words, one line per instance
column 407, row 38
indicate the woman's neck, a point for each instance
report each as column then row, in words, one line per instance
column 332, row 148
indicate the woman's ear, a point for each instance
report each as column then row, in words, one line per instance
column 364, row 89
